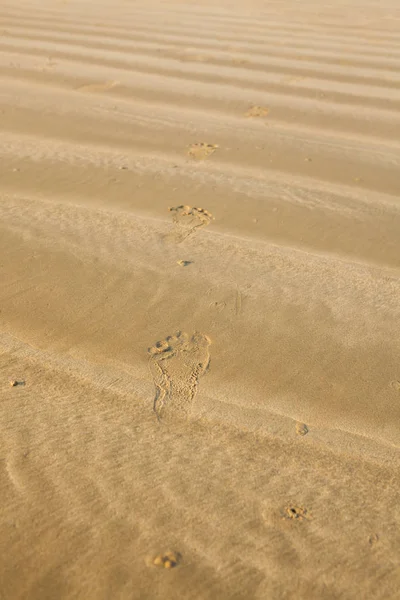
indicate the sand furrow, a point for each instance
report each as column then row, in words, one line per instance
column 208, row 84
column 347, row 51
column 122, row 55
column 262, row 28
column 104, row 39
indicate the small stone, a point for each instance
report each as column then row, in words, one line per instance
column 13, row 383
column 301, row 429
column 296, row 512
column 169, row 560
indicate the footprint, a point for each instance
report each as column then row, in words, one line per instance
column 239, row 61
column 176, row 364
column 201, row 150
column 223, row 299
column 187, row 219
column 97, row 87
column 257, row 111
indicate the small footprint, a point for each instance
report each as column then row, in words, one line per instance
column 257, row 111
column 176, row 364
column 223, row 299
column 187, row 219
column 201, row 150
column 239, row 61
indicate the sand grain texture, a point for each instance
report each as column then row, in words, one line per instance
column 230, row 429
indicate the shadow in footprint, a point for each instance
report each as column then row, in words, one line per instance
column 176, row 364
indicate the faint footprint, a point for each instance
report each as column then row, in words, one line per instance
column 224, row 299
column 239, row 61
column 176, row 364
column 187, row 219
column 289, row 80
column 257, row 111
column 97, row 87
column 201, row 150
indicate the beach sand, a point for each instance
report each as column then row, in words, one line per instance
column 199, row 300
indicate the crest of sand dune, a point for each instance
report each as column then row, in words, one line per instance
column 199, row 300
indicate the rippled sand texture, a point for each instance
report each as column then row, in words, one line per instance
column 199, row 300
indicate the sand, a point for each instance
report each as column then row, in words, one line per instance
column 199, row 300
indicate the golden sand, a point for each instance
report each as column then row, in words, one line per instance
column 244, row 410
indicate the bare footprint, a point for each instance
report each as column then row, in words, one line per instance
column 187, row 219
column 176, row 364
column 257, row 111
column 201, row 150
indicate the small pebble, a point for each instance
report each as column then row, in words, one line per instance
column 169, row 560
column 301, row 429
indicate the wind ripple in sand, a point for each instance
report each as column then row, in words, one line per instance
column 297, row 284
